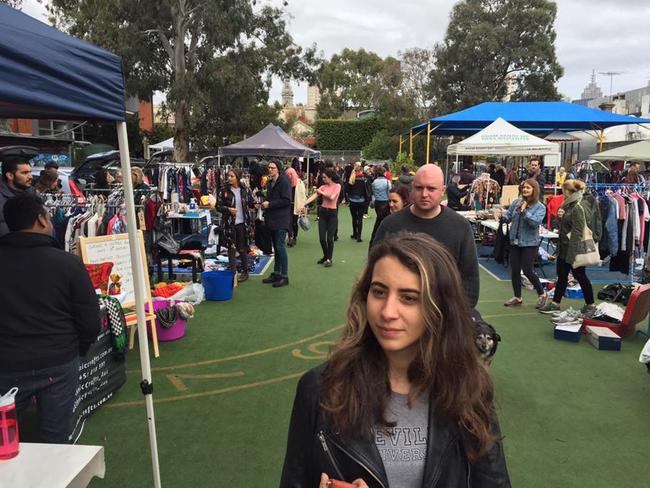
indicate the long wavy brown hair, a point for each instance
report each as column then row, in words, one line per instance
column 356, row 382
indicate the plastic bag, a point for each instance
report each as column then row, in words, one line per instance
column 193, row 293
column 303, row 222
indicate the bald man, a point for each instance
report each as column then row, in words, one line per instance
column 443, row 224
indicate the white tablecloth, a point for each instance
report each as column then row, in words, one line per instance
column 52, row 466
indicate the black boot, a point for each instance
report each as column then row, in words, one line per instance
column 281, row 282
column 272, row 278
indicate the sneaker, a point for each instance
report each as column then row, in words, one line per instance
column 550, row 307
column 567, row 315
column 327, row 263
column 588, row 311
column 541, row 301
column 567, row 319
column 272, row 278
column 569, row 310
column 242, row 277
column 321, row 260
column 575, row 322
column 514, row 301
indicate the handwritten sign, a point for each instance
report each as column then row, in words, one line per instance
column 115, row 249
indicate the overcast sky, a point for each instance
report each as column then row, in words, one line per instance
column 605, row 35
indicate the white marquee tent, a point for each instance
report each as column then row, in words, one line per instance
column 501, row 138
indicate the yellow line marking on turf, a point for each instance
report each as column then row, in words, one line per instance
column 510, row 315
column 319, row 352
column 138, row 403
column 241, row 356
column 177, row 379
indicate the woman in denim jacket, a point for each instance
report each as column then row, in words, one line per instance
column 525, row 214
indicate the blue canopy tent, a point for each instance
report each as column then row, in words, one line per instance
column 47, row 74
column 533, row 117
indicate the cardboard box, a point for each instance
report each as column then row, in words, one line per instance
column 569, row 333
column 603, row 339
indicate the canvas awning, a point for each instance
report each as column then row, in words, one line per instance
column 270, row 141
column 639, row 151
column 501, row 138
column 533, row 117
column 559, row 136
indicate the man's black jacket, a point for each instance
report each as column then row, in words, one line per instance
column 278, row 215
column 49, row 310
column 446, row 465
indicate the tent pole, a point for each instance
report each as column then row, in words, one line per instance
column 401, row 143
column 411, row 143
column 137, row 269
column 601, row 140
column 428, row 141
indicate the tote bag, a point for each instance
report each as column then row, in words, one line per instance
column 588, row 251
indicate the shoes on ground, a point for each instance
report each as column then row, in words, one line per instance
column 353, row 236
column 242, row 277
column 568, row 314
column 541, row 301
column 588, row 311
column 550, row 307
column 272, row 278
column 281, row 282
column 513, row 302
column 328, row 263
column 321, row 260
column 291, row 242
column 359, row 239
column 366, row 216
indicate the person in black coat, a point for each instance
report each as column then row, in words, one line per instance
column 392, row 404
column 454, row 194
column 277, row 215
column 50, row 317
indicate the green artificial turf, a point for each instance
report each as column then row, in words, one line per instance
column 571, row 416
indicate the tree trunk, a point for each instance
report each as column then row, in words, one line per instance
column 182, row 112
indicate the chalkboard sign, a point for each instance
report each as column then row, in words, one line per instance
column 101, row 374
column 115, row 249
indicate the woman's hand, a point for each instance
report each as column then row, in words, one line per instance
column 265, row 204
column 523, row 205
column 560, row 213
column 232, row 210
column 325, row 483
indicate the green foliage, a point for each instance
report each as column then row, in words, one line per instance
column 384, row 145
column 213, row 60
column 334, row 135
column 402, row 158
column 491, row 44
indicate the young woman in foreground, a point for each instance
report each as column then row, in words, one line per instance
column 402, row 401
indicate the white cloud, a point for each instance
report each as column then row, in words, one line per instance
column 605, row 35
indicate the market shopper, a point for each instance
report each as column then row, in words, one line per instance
column 525, row 215
column 327, row 214
column 277, row 215
column 292, row 174
column 633, row 175
column 402, row 390
column 455, row 194
column 380, row 188
column 574, row 214
column 398, row 198
column 48, row 181
column 50, row 316
column 535, row 172
column 406, row 178
column 425, row 214
column 16, row 177
column 103, row 179
column 235, row 204
column 358, row 196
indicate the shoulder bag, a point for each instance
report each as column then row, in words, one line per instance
column 588, row 251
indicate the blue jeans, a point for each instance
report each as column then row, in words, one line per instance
column 55, row 391
column 281, row 266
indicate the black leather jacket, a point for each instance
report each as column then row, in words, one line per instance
column 313, row 448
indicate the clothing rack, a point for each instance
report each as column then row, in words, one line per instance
column 631, row 187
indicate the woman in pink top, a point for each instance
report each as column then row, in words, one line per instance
column 328, row 221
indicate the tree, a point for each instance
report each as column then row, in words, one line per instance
column 13, row 3
column 214, row 59
column 358, row 80
column 496, row 49
column 417, row 65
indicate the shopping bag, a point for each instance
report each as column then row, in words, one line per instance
column 588, row 251
column 303, row 222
